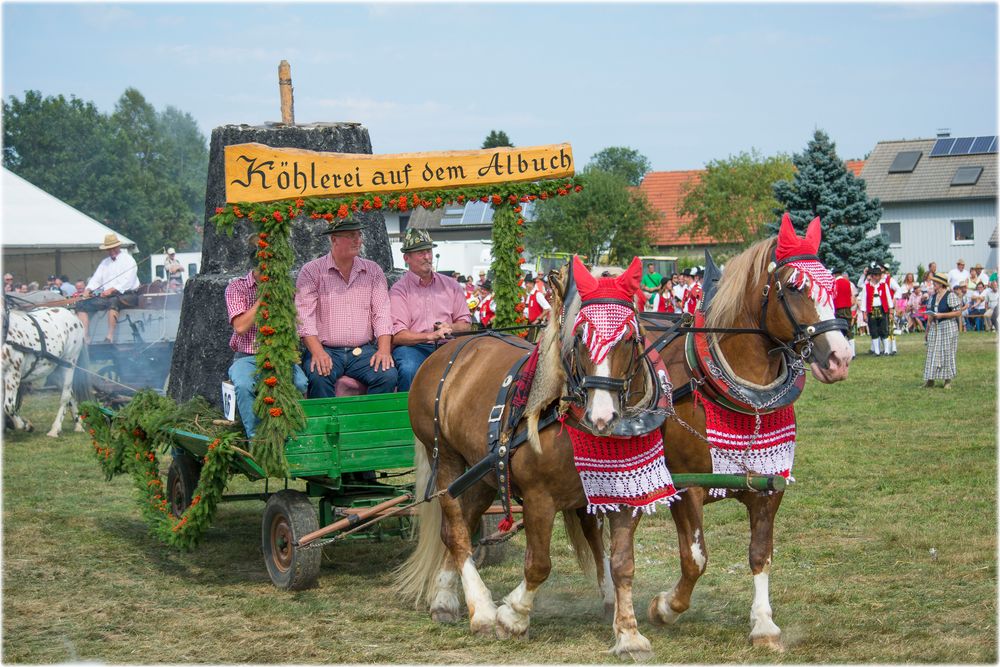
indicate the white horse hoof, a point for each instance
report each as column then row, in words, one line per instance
column 483, row 620
column 510, row 624
column 444, row 615
column 53, row 434
column 660, row 612
column 772, row 642
column 78, row 428
column 633, row 645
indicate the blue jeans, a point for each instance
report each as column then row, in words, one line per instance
column 345, row 363
column 408, row 359
column 243, row 375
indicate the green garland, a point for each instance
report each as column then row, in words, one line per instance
column 507, row 290
column 128, row 442
column 277, row 401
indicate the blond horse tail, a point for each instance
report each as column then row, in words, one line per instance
column 414, row 578
column 581, row 548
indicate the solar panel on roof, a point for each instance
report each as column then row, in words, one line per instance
column 993, row 146
column 962, row 146
column 942, row 147
column 905, row 162
column 981, row 145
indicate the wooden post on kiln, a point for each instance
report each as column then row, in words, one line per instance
column 285, row 87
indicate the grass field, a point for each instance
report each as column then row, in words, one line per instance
column 885, row 552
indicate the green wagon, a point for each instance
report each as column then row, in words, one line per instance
column 344, row 438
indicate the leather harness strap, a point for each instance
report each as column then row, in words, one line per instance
column 510, row 340
column 37, row 355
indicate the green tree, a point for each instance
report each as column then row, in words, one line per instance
column 733, row 200
column 59, row 145
column 607, row 217
column 140, row 172
column 822, row 186
column 497, row 139
column 627, row 162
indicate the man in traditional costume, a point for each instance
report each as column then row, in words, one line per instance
column 843, row 299
column 877, row 309
column 536, row 306
column 692, row 295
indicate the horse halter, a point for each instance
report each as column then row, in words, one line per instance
column 577, row 384
column 802, row 334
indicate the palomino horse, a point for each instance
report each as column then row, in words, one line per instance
column 779, row 288
column 37, row 343
column 542, row 474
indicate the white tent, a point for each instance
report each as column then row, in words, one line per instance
column 43, row 235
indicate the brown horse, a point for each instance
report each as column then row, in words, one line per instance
column 542, row 474
column 798, row 317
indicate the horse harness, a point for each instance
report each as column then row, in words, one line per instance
column 706, row 367
column 38, row 355
column 499, row 446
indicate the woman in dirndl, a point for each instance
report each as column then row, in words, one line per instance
column 943, row 311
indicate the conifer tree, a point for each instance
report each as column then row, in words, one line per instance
column 822, row 186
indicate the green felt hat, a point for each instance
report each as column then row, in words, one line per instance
column 347, row 224
column 417, row 239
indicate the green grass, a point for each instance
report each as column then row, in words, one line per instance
column 887, row 472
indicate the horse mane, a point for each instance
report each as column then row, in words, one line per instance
column 733, row 303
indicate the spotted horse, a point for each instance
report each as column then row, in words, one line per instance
column 38, row 343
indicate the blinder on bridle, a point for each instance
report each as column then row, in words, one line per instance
column 803, row 335
column 644, row 419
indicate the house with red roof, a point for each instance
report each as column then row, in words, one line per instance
column 665, row 191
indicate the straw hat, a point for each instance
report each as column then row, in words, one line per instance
column 110, row 241
column 940, row 278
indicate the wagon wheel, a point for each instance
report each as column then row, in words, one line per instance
column 288, row 516
column 182, row 480
column 489, row 554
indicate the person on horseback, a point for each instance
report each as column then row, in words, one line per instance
column 426, row 307
column 242, row 302
column 111, row 288
column 344, row 319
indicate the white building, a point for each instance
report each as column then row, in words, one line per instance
column 939, row 199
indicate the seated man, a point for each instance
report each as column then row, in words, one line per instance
column 111, row 288
column 242, row 302
column 426, row 307
column 344, row 319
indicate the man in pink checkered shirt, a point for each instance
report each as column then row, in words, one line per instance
column 426, row 307
column 344, row 321
column 242, row 302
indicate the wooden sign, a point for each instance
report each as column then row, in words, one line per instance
column 259, row 173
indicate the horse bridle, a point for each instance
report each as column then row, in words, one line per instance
column 578, row 384
column 803, row 335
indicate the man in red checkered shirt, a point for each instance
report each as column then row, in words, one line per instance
column 242, row 303
column 344, row 319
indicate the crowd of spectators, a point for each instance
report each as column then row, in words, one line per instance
column 976, row 288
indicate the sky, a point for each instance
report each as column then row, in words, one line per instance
column 683, row 84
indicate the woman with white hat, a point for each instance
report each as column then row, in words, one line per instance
column 943, row 312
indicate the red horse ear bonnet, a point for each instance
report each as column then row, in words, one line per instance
column 606, row 324
column 808, row 274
